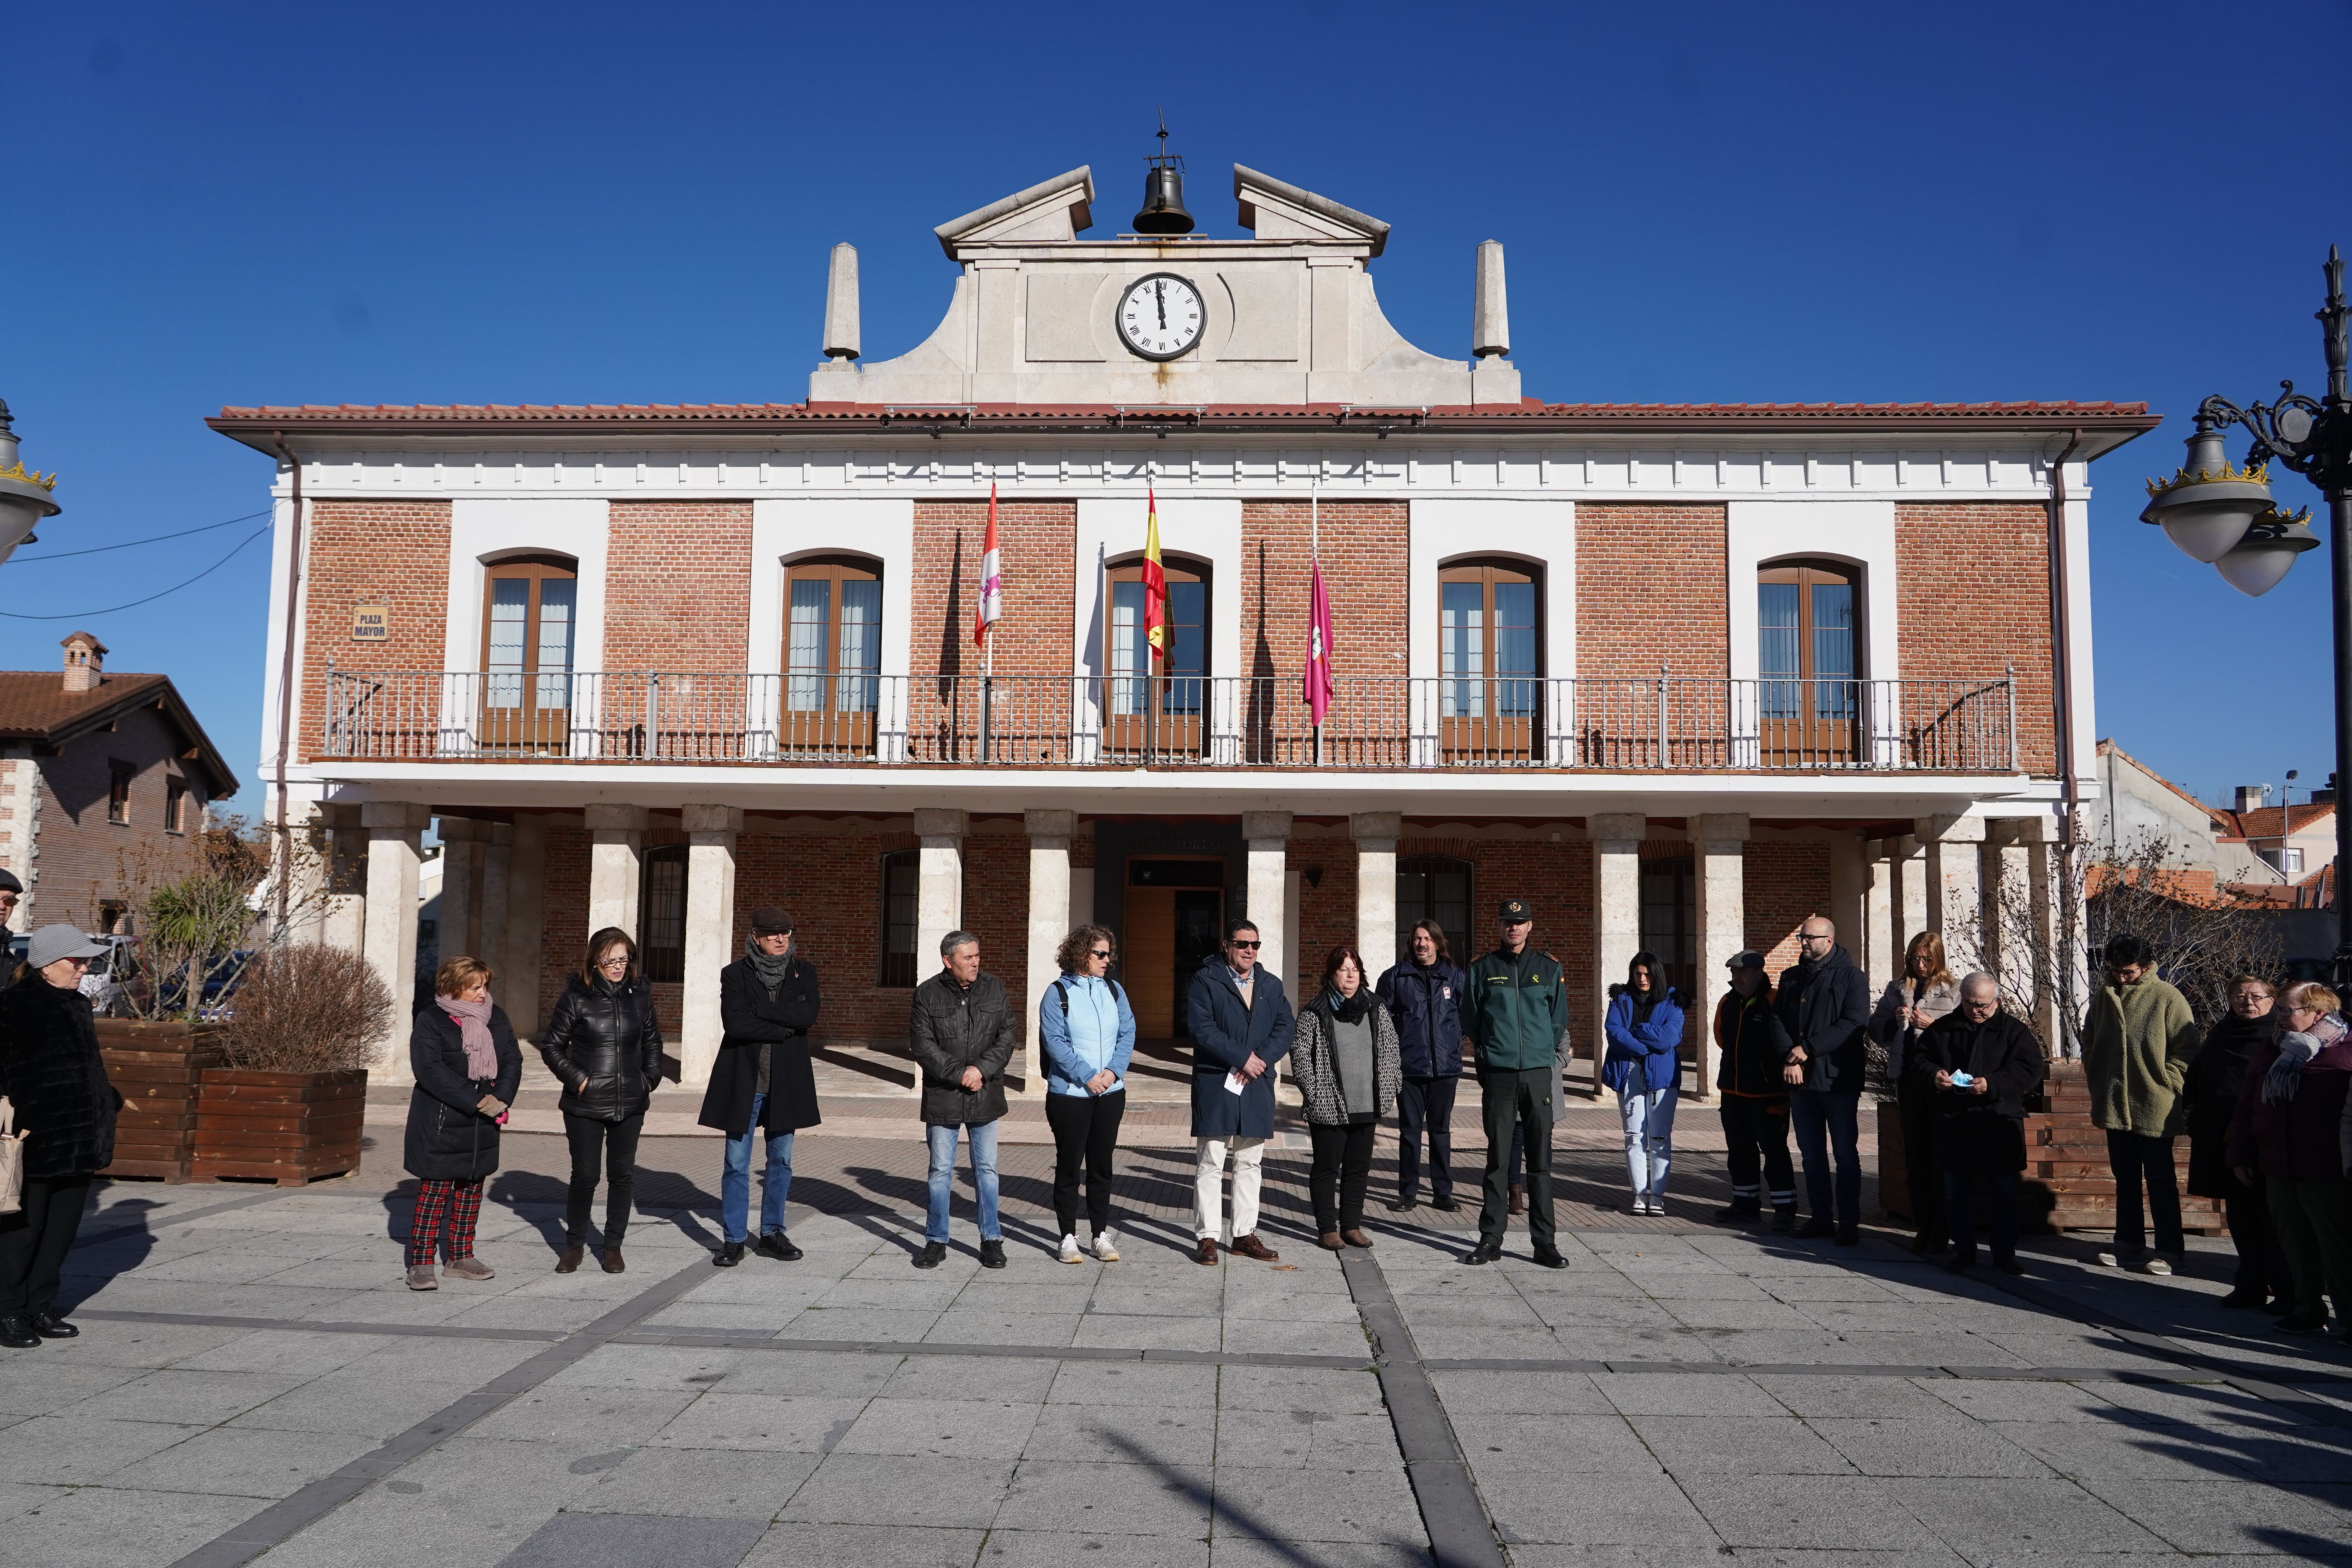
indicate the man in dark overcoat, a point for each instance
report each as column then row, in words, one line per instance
column 1241, row 1022
column 762, row 1080
column 1981, row 1063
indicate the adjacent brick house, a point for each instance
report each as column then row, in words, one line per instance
column 1680, row 675
column 95, row 769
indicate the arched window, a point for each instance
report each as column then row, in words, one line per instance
column 1808, row 660
column 661, row 914
column 1433, row 887
column 902, row 872
column 1489, row 659
column 832, row 650
column 530, row 608
column 1157, row 709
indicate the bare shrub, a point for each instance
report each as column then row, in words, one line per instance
column 306, row 1007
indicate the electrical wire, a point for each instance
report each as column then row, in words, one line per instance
column 157, row 539
column 86, row 615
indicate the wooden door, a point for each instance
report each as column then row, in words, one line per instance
column 1148, row 961
column 1159, row 711
column 1809, row 699
column 1489, row 674
column 833, row 656
column 527, row 633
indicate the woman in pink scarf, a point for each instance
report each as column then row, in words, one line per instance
column 467, row 1066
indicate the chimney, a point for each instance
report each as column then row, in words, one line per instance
column 1490, row 316
column 2252, row 797
column 841, row 304
column 85, row 658
column 2324, row 797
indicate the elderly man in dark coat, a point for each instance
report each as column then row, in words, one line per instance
column 51, row 1072
column 959, row 1028
column 1980, row 1064
column 1241, row 1024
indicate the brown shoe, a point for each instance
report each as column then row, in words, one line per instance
column 1251, row 1247
column 1519, row 1199
column 422, row 1277
column 1330, row 1241
column 613, row 1264
column 1206, row 1252
column 570, row 1262
column 468, row 1269
column 1354, row 1236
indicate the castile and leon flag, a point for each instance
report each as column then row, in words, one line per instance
column 992, row 581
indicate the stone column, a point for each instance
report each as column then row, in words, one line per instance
column 1267, row 833
column 1849, row 903
column 712, row 832
column 615, row 862
column 1049, row 922
column 938, row 896
column 462, row 841
column 1719, row 879
column 2026, row 848
column 1906, row 868
column 526, row 905
column 1954, row 862
column 342, row 908
column 1617, row 911
column 394, row 829
column 497, row 845
column 1879, row 902
column 1376, row 834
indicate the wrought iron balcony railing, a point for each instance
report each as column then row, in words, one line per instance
column 1649, row 723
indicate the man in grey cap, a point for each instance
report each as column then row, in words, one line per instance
column 51, row 1072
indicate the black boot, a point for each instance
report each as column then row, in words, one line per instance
column 1743, row 1211
column 1784, row 1218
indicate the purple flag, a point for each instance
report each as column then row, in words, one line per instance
column 1319, row 685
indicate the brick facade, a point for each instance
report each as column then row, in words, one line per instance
column 1650, row 590
column 1784, row 881
column 677, row 586
column 80, row 860
column 1365, row 549
column 392, row 554
column 1974, row 583
column 1037, row 542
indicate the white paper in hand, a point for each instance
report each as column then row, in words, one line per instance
column 1235, row 1083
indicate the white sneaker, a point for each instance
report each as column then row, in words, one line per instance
column 1070, row 1249
column 2157, row 1266
column 1105, row 1247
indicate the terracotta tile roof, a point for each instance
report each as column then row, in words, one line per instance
column 315, row 419
column 2264, row 821
column 36, row 706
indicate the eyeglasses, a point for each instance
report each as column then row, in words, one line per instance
column 1099, row 953
column 1252, row 946
column 1814, row 936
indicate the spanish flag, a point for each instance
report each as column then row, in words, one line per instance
column 1155, row 582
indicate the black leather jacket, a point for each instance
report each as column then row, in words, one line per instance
column 604, row 1043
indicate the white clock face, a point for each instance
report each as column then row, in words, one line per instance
column 1160, row 316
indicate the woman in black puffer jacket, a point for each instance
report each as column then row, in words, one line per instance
column 604, row 1043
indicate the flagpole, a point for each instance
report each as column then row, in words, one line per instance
column 1315, row 558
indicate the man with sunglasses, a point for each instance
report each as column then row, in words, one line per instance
column 1515, row 1009
column 1241, row 1024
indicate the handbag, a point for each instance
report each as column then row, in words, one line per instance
column 12, row 1159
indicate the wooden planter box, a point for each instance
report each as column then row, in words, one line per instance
column 2066, row 1184
column 285, row 1126
column 158, row 1069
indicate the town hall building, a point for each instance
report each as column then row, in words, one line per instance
column 1680, row 675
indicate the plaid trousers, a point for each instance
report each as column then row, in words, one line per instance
column 453, row 1206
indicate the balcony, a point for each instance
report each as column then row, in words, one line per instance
column 1600, row 724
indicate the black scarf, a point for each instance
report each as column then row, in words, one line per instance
column 1346, row 1009
column 770, row 971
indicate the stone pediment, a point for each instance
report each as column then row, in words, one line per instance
column 1290, row 315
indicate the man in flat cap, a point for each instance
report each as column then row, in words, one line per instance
column 762, row 1078
column 1515, row 1010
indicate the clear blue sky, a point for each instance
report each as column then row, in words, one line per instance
column 593, row 203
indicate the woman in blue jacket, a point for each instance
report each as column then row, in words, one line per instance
column 1088, row 1031
column 1644, row 1061
column 1424, row 996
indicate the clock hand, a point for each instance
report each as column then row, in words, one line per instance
column 1159, row 297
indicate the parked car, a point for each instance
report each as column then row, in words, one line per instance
column 107, row 982
column 218, row 986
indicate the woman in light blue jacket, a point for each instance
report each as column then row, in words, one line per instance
column 1643, row 1065
column 1089, row 1034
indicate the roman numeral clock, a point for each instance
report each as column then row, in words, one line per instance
column 1160, row 316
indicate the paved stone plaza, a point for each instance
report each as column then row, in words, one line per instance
column 254, row 1384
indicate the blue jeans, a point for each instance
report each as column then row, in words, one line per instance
column 1649, row 1120
column 1822, row 1122
column 983, row 1176
column 735, row 1180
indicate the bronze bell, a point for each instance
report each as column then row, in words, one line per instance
column 1164, row 200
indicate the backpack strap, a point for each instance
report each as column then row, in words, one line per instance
column 1062, row 993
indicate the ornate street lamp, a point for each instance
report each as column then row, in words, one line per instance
column 24, row 495
column 2224, row 515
